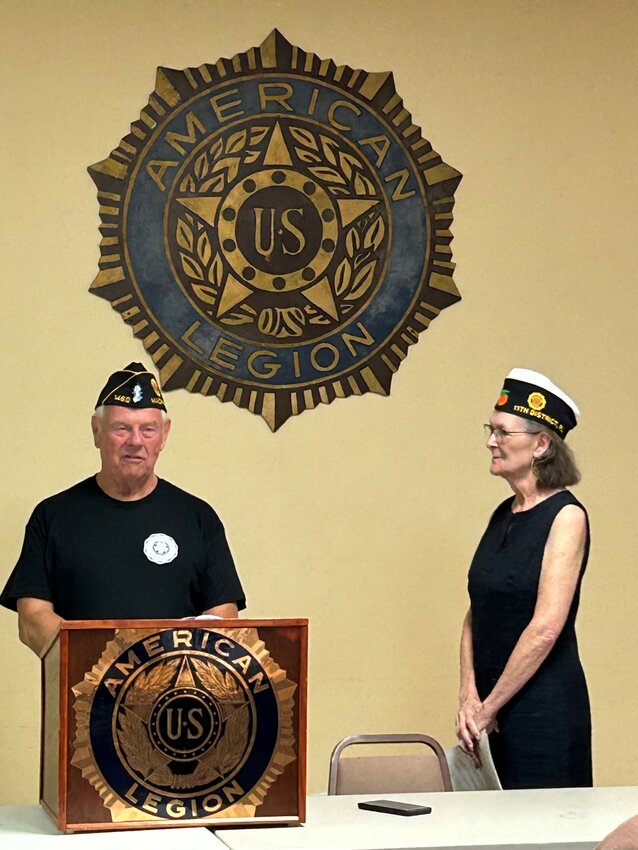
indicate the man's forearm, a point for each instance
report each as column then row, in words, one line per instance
column 38, row 633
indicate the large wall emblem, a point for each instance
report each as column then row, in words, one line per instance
column 276, row 230
column 183, row 724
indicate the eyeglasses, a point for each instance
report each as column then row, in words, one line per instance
column 501, row 434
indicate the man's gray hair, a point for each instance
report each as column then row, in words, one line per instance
column 99, row 411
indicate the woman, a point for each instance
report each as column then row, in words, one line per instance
column 521, row 678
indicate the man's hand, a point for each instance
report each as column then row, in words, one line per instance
column 38, row 623
column 227, row 611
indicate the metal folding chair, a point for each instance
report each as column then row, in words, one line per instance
column 384, row 774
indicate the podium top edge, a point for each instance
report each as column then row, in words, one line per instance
column 186, row 623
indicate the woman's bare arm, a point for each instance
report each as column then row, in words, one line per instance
column 469, row 703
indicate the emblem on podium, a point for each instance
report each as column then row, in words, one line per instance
column 183, row 724
column 276, row 230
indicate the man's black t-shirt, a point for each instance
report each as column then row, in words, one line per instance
column 94, row 557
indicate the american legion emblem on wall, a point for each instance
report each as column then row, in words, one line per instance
column 276, row 230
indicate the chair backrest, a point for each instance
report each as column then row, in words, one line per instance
column 394, row 774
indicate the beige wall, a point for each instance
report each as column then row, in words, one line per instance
column 362, row 516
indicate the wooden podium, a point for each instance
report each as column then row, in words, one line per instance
column 160, row 723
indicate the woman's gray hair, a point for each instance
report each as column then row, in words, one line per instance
column 557, row 466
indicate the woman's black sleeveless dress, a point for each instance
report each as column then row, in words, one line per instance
column 545, row 729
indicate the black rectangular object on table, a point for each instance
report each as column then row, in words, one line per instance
column 392, row 807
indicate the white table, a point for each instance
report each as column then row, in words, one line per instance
column 552, row 819
column 23, row 827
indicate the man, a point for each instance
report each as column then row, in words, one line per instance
column 123, row 544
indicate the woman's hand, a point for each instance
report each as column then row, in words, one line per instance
column 487, row 720
column 472, row 718
column 467, row 729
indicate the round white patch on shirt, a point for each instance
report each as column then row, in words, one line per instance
column 160, row 548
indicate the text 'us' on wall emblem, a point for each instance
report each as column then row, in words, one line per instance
column 276, row 230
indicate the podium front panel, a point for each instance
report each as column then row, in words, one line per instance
column 175, row 723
